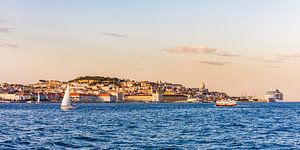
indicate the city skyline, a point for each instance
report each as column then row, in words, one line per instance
column 232, row 46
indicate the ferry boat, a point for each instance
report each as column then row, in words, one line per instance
column 192, row 100
column 227, row 102
column 274, row 96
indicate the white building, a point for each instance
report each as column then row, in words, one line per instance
column 15, row 97
column 119, row 96
column 107, row 98
column 84, row 98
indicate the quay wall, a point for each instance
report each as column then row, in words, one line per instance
column 156, row 98
column 139, row 98
column 174, row 98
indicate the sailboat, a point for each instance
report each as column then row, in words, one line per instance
column 66, row 103
column 38, row 98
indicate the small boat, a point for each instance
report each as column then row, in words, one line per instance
column 38, row 98
column 227, row 102
column 66, row 103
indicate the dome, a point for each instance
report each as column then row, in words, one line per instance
column 202, row 86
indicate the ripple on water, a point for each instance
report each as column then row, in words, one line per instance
column 150, row 126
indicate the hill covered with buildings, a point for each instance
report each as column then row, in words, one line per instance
column 107, row 89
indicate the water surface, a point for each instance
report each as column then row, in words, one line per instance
column 150, row 126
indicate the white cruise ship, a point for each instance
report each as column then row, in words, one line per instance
column 274, row 96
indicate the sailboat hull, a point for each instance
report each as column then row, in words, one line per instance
column 65, row 108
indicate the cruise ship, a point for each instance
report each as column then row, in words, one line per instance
column 274, row 96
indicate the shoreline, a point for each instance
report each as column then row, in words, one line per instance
column 58, row 102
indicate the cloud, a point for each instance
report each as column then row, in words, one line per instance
column 2, row 21
column 6, row 29
column 212, row 63
column 10, row 45
column 114, row 35
column 147, row 57
column 288, row 56
column 226, row 54
column 272, row 60
column 199, row 49
column 281, row 58
column 185, row 49
column 274, row 67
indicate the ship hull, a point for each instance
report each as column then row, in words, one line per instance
column 230, row 105
column 272, row 100
column 278, row 101
column 226, row 103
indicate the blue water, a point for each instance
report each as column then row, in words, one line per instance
column 150, row 126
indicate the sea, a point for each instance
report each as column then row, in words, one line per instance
column 150, row 126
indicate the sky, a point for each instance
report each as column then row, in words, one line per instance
column 234, row 46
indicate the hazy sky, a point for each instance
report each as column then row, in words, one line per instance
column 233, row 46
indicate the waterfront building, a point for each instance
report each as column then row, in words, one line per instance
column 84, row 98
column 106, row 88
column 107, row 98
column 139, row 98
column 15, row 96
column 43, row 96
column 120, row 97
column 53, row 96
column 157, row 97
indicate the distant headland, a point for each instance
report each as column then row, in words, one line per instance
column 96, row 89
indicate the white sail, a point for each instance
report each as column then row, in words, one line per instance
column 67, row 100
column 38, row 98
